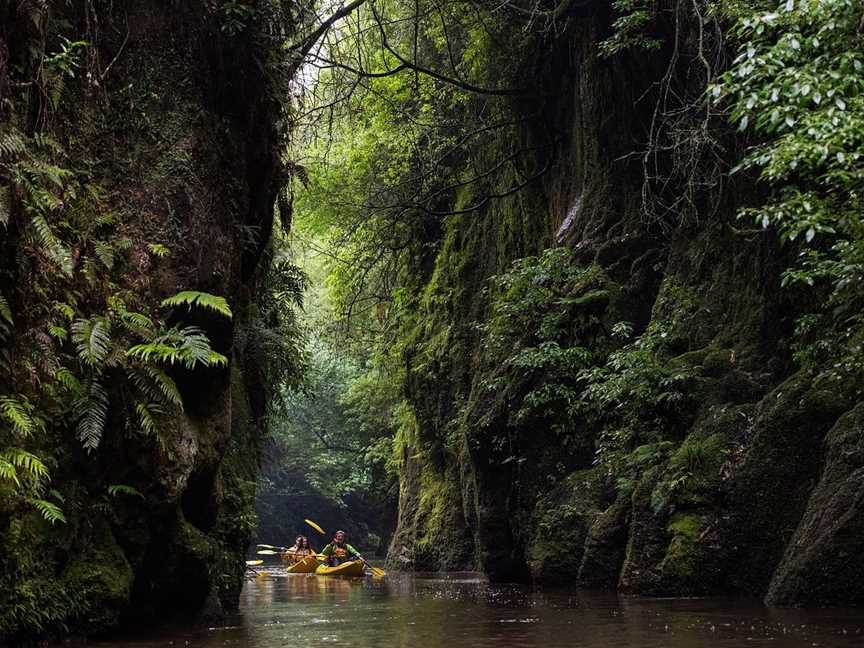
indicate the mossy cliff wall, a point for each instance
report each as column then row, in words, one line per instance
column 725, row 468
column 168, row 121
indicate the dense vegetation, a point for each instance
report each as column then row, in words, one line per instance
column 596, row 250
column 576, row 273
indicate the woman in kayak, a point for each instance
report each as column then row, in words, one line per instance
column 301, row 548
column 339, row 551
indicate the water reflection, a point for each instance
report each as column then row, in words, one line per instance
column 461, row 610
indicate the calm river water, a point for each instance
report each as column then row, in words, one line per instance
column 460, row 610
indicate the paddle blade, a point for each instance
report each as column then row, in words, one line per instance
column 267, row 552
column 316, row 527
column 253, row 563
column 377, row 572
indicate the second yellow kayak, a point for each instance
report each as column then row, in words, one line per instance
column 352, row 568
column 305, row 565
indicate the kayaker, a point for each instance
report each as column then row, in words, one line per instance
column 339, row 551
column 301, row 548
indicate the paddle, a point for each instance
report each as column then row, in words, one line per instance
column 316, row 527
column 253, row 563
column 268, row 552
column 266, row 546
column 377, row 572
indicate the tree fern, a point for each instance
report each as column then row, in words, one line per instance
column 92, row 338
column 91, row 410
column 201, row 299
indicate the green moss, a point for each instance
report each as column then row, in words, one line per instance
column 681, row 556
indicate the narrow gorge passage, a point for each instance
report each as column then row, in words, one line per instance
column 565, row 295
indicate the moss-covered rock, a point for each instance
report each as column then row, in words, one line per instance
column 563, row 520
column 822, row 563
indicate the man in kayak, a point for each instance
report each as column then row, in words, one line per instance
column 339, row 551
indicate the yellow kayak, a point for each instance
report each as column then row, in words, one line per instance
column 305, row 565
column 352, row 568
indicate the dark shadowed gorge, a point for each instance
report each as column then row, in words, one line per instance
column 563, row 292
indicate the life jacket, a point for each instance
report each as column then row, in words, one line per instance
column 340, row 553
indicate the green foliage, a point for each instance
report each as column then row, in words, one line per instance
column 201, row 300
column 797, row 85
column 546, row 323
column 633, row 21
column 188, row 346
column 692, row 473
column 122, row 489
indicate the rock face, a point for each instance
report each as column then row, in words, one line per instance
column 169, row 125
column 748, row 479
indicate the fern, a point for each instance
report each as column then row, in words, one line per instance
column 167, row 387
column 91, row 410
column 51, row 245
column 8, row 472
column 158, row 250
column 12, row 146
column 6, row 320
column 147, row 418
column 19, row 413
column 122, row 489
column 49, row 511
column 137, row 324
column 5, row 206
column 27, row 462
column 92, row 338
column 201, row 299
column 69, row 381
column 105, row 252
column 188, row 346
column 58, row 333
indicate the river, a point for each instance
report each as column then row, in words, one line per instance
column 459, row 610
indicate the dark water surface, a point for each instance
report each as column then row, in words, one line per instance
column 460, row 610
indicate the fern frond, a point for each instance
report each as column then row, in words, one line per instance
column 27, row 462
column 201, row 299
column 19, row 413
column 188, row 346
column 5, row 205
column 65, row 310
column 6, row 321
column 147, row 418
column 58, row 333
column 138, row 324
column 49, row 510
column 68, row 380
column 12, row 145
column 8, row 472
column 91, row 410
column 158, row 250
column 167, row 387
column 122, row 489
column 51, row 245
column 92, row 338
column 105, row 252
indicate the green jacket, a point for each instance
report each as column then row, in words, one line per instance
column 330, row 548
